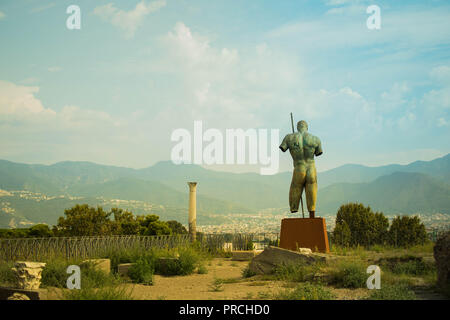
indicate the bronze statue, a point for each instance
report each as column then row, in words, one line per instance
column 303, row 146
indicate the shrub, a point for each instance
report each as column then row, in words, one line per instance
column 202, row 269
column 407, row 231
column 141, row 272
column 247, row 273
column 392, row 292
column 350, row 274
column 409, row 265
column 296, row 272
column 7, row 276
column 306, row 291
column 216, row 285
column 358, row 225
column 94, row 278
column 55, row 274
column 186, row 262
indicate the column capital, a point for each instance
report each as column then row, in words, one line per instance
column 192, row 185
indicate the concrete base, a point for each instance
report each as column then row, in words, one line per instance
column 304, row 233
column 271, row 257
column 5, row 293
column 243, row 255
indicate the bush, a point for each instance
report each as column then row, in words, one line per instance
column 407, row 231
column 297, row 272
column 409, row 265
column 94, row 278
column 247, row 273
column 358, row 225
column 142, row 272
column 186, row 262
column 392, row 292
column 306, row 291
column 55, row 273
column 350, row 274
column 202, row 269
column 7, row 276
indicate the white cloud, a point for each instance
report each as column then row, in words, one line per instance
column 128, row 21
column 20, row 101
column 395, row 98
column 398, row 31
column 19, row 105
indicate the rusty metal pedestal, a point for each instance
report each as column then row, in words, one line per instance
column 304, row 233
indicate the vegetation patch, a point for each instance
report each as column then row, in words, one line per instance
column 142, row 272
column 7, row 276
column 408, row 264
column 297, row 272
column 349, row 274
column 306, row 291
column 393, row 292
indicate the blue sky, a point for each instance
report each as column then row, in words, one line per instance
column 113, row 91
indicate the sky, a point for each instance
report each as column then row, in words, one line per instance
column 113, row 91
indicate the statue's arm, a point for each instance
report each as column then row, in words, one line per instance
column 284, row 144
column 318, row 151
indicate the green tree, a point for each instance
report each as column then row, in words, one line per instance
column 83, row 220
column 407, row 231
column 39, row 231
column 366, row 228
column 342, row 235
column 151, row 225
column 125, row 223
column 176, row 227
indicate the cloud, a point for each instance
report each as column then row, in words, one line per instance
column 20, row 102
column 128, row 21
column 398, row 30
column 20, row 106
column 32, row 132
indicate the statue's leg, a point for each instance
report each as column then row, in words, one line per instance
column 311, row 190
column 297, row 183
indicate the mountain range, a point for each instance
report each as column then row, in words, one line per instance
column 421, row 186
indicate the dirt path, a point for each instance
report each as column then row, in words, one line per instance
column 206, row 287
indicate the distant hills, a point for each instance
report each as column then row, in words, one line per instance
column 421, row 186
column 396, row 193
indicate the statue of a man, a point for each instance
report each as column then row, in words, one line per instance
column 303, row 146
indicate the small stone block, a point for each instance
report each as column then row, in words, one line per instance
column 100, row 264
column 122, row 269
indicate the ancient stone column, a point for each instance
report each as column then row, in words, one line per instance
column 192, row 209
column 28, row 274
